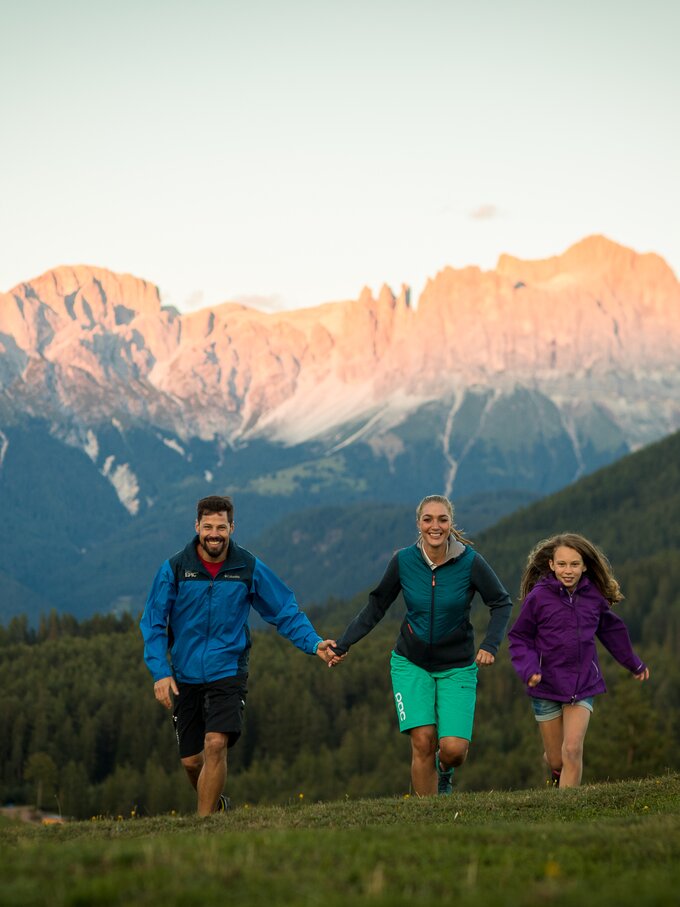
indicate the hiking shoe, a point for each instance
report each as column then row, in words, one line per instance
column 223, row 804
column 444, row 778
column 555, row 778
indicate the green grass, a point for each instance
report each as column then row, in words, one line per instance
column 607, row 844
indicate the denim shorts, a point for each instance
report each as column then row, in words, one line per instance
column 547, row 709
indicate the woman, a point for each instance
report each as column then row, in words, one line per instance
column 434, row 665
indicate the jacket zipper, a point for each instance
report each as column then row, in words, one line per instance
column 434, row 584
column 207, row 637
column 572, row 601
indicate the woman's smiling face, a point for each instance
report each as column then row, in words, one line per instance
column 434, row 525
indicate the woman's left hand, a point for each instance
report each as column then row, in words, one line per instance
column 484, row 657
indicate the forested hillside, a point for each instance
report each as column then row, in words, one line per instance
column 82, row 732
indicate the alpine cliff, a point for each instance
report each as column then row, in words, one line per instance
column 116, row 413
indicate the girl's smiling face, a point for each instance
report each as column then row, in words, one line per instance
column 567, row 565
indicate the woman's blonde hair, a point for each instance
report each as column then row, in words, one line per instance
column 598, row 567
column 440, row 499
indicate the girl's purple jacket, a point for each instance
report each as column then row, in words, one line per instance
column 554, row 636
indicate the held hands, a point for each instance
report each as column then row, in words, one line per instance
column 326, row 653
column 324, row 650
column 162, row 688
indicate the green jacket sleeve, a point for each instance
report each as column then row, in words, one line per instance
column 379, row 600
column 496, row 598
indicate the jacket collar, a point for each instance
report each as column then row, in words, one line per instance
column 551, row 581
column 454, row 550
column 232, row 560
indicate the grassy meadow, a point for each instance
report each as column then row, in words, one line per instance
column 605, row 844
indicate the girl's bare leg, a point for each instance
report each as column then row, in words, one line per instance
column 575, row 719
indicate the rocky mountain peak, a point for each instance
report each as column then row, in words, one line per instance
column 81, row 344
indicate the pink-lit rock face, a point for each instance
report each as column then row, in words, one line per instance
column 80, row 345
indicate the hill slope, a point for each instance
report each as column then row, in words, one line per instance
column 615, row 845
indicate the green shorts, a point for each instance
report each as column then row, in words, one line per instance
column 443, row 698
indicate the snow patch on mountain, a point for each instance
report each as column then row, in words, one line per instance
column 174, row 445
column 91, row 446
column 124, row 482
column 314, row 409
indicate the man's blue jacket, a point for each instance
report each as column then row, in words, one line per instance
column 204, row 621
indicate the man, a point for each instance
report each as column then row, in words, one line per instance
column 198, row 609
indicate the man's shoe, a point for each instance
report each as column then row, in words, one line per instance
column 444, row 778
column 223, row 804
column 555, row 778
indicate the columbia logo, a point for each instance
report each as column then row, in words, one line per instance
column 231, row 576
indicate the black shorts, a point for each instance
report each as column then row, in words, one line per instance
column 202, row 708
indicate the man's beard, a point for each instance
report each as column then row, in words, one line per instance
column 214, row 547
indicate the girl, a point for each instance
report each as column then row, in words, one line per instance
column 434, row 663
column 567, row 590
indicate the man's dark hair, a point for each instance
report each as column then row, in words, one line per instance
column 215, row 504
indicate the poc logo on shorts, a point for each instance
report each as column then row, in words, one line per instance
column 400, row 706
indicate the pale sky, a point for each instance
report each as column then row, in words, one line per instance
column 296, row 151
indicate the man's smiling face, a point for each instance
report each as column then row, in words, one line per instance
column 213, row 531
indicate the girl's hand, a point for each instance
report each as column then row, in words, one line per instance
column 643, row 675
column 534, row 680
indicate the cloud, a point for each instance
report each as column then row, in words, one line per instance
column 273, row 303
column 193, row 301
column 484, row 212
column 182, row 301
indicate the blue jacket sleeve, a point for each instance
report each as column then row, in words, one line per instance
column 154, row 622
column 276, row 603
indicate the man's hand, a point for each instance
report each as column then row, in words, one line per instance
column 484, row 657
column 161, row 690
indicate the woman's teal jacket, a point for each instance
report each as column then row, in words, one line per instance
column 436, row 633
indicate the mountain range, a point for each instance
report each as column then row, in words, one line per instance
column 117, row 413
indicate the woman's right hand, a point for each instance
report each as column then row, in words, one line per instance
column 534, row 680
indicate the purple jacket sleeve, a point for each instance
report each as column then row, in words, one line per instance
column 613, row 634
column 521, row 642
